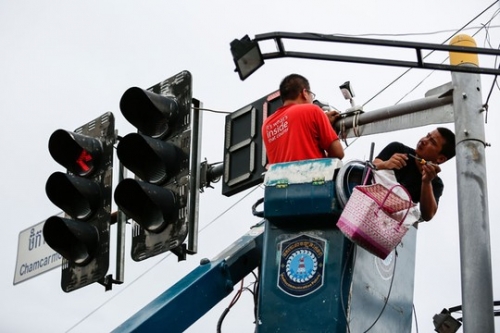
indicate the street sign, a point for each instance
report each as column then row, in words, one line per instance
column 34, row 256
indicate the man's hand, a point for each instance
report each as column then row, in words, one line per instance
column 429, row 172
column 396, row 162
column 333, row 116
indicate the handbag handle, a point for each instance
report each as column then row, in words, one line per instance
column 367, row 173
column 369, row 164
column 387, row 196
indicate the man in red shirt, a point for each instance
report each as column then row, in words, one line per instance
column 300, row 130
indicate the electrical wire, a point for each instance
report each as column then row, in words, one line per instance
column 406, row 34
column 235, row 299
column 230, row 207
column 211, row 110
column 415, row 315
column 422, row 81
column 352, row 249
column 445, row 59
column 409, row 69
column 119, row 292
column 256, row 288
column 458, row 308
column 388, row 293
column 494, row 82
column 237, row 296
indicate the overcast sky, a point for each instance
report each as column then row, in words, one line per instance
column 63, row 63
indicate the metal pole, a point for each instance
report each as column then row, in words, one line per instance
column 475, row 251
column 120, row 235
column 194, row 187
column 215, row 172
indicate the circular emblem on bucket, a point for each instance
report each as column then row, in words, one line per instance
column 301, row 265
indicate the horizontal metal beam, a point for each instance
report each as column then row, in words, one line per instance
column 278, row 37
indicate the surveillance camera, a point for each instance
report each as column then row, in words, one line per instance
column 347, row 90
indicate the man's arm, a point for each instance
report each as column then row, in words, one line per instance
column 333, row 116
column 428, row 203
column 336, row 150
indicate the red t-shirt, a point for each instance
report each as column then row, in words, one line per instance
column 297, row 132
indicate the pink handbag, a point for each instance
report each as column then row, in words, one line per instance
column 368, row 218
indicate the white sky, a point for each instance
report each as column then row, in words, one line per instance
column 63, row 63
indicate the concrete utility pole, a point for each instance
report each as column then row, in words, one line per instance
column 475, row 251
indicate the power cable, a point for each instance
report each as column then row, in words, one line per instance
column 211, row 110
column 433, row 71
column 235, row 299
column 409, row 69
column 415, row 315
column 352, row 249
column 388, row 293
column 406, row 34
column 494, row 81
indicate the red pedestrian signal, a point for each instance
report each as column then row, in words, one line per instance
column 84, row 194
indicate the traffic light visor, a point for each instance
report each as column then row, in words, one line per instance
column 75, row 241
column 149, row 159
column 78, row 197
column 80, row 154
column 150, row 113
column 153, row 207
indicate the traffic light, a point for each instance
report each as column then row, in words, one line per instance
column 162, row 199
column 84, row 195
column 245, row 157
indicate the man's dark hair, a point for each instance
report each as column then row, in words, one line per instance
column 448, row 149
column 292, row 85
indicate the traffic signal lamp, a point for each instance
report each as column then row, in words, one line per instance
column 84, row 195
column 245, row 157
column 164, row 157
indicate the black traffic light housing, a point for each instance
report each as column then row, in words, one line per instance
column 164, row 157
column 245, row 157
column 84, row 195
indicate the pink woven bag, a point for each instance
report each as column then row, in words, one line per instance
column 367, row 218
